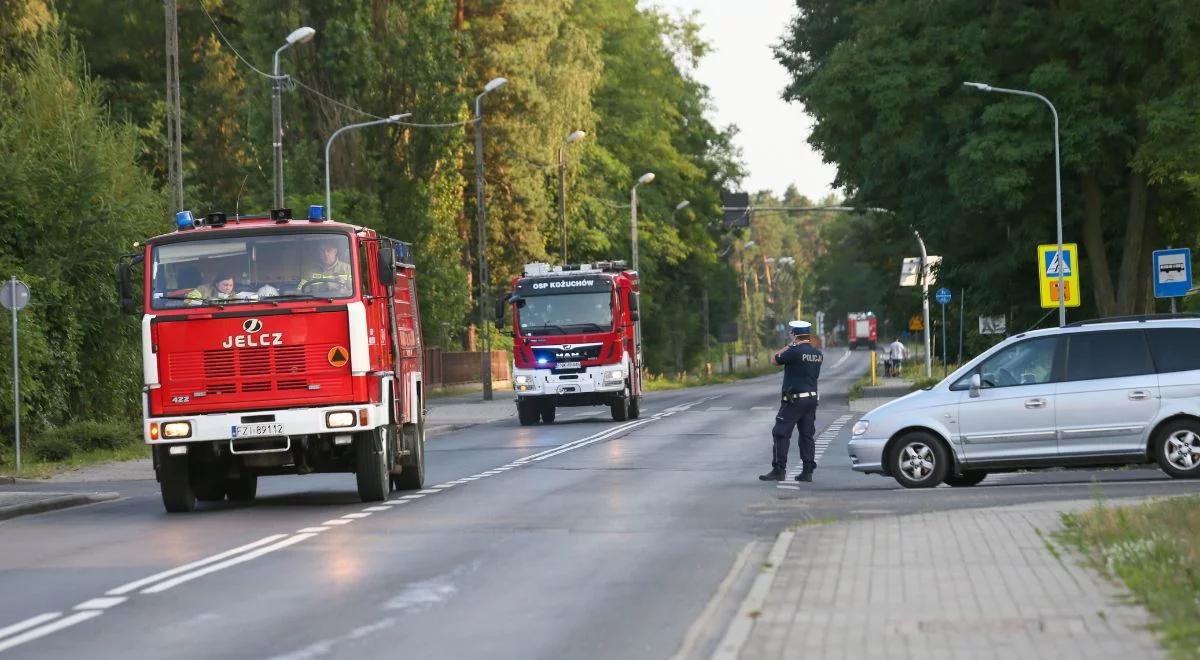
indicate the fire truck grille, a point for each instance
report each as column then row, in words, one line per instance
column 256, row 370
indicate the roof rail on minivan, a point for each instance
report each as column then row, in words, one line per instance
column 1135, row 317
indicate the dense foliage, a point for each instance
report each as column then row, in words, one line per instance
column 973, row 171
column 84, row 165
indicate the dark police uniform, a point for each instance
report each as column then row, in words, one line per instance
column 801, row 367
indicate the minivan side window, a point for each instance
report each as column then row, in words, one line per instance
column 1029, row 362
column 1174, row 349
column 1107, row 354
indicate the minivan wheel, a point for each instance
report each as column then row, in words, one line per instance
column 967, row 478
column 1177, row 448
column 919, row 461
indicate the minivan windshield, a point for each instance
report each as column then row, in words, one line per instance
column 566, row 313
column 238, row 269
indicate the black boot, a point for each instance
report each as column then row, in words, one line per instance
column 773, row 475
column 805, row 475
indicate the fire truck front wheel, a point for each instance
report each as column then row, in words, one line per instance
column 620, row 407
column 528, row 412
column 635, row 407
column 412, row 470
column 548, row 413
column 178, row 496
column 371, row 466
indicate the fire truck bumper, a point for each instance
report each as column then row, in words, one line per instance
column 263, row 423
column 600, row 382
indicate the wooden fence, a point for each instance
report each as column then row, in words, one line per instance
column 444, row 367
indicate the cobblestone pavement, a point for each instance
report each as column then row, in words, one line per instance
column 984, row 583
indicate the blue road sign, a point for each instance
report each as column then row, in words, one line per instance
column 1172, row 273
column 942, row 296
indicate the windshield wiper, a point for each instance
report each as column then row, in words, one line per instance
column 595, row 326
column 546, row 326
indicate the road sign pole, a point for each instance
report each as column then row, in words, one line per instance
column 962, row 310
column 1172, row 305
column 944, row 367
column 16, row 375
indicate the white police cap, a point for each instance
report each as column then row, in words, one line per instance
column 800, row 327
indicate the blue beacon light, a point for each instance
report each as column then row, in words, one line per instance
column 316, row 212
column 184, row 220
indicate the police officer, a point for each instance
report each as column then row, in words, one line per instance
column 801, row 362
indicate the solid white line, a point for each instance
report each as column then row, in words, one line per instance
column 49, row 628
column 101, row 603
column 337, row 522
column 31, row 622
column 356, row 516
column 605, row 436
column 739, row 629
column 188, row 577
column 138, row 584
column 312, row 530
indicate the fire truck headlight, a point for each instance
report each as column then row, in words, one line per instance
column 177, row 430
column 615, row 375
column 522, row 380
column 340, row 419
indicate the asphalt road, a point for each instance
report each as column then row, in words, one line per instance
column 581, row 539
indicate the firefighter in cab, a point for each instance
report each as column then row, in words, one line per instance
column 332, row 276
column 801, row 362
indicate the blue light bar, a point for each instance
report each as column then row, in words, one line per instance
column 184, row 220
column 316, row 213
column 542, row 360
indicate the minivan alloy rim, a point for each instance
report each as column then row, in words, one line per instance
column 1183, row 449
column 916, row 461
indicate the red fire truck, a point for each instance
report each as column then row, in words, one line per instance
column 278, row 346
column 862, row 330
column 577, row 339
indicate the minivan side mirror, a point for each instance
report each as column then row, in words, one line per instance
column 976, row 383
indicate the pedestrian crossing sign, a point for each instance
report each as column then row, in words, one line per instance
column 1050, row 262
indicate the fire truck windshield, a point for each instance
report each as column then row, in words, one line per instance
column 566, row 313
column 224, row 270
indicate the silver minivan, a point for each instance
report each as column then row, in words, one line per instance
column 1098, row 393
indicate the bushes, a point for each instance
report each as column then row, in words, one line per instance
column 62, row 443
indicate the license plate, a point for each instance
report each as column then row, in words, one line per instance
column 568, row 365
column 257, row 430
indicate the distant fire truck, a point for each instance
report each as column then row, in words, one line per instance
column 862, row 330
column 577, row 339
column 278, row 346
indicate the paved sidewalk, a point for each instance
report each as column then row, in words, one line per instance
column 447, row 414
column 979, row 583
column 886, row 389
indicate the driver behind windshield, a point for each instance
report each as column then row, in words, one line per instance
column 331, row 276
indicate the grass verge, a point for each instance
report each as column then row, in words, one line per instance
column 79, row 444
column 1154, row 548
column 39, row 469
column 658, row 383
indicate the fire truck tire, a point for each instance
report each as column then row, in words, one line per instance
column 527, row 413
column 635, row 407
column 177, row 493
column 620, row 407
column 242, row 488
column 412, row 474
column 371, row 466
column 548, row 415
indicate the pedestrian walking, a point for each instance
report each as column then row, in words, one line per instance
column 897, row 352
column 801, row 362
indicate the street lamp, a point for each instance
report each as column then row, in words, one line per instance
column 643, row 179
column 1062, row 263
column 329, row 143
column 562, row 187
column 679, row 207
column 298, row 36
column 481, row 220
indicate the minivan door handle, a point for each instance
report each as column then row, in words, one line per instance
column 1139, row 395
column 1035, row 403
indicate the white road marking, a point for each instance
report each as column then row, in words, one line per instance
column 448, row 484
column 101, row 603
column 412, row 497
column 356, row 516
column 138, row 584
column 31, row 622
column 254, row 554
column 821, row 443
column 761, row 408
column 312, row 530
column 739, row 629
column 337, row 522
column 719, row 408
column 379, row 508
column 49, row 628
column 429, row 491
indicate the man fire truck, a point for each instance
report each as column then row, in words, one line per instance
column 312, row 363
column 862, row 330
column 577, row 339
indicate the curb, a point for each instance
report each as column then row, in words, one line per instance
column 54, row 503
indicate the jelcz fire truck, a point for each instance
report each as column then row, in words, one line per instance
column 276, row 346
column 577, row 339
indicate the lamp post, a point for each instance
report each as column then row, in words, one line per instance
column 679, row 207
column 298, row 36
column 925, row 304
column 643, row 179
column 481, row 220
column 984, row 87
column 562, row 188
column 329, row 143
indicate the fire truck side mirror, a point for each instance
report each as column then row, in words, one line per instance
column 634, row 314
column 125, row 286
column 387, row 263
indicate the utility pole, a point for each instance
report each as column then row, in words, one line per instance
column 174, row 138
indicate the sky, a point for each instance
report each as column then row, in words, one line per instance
column 746, row 85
